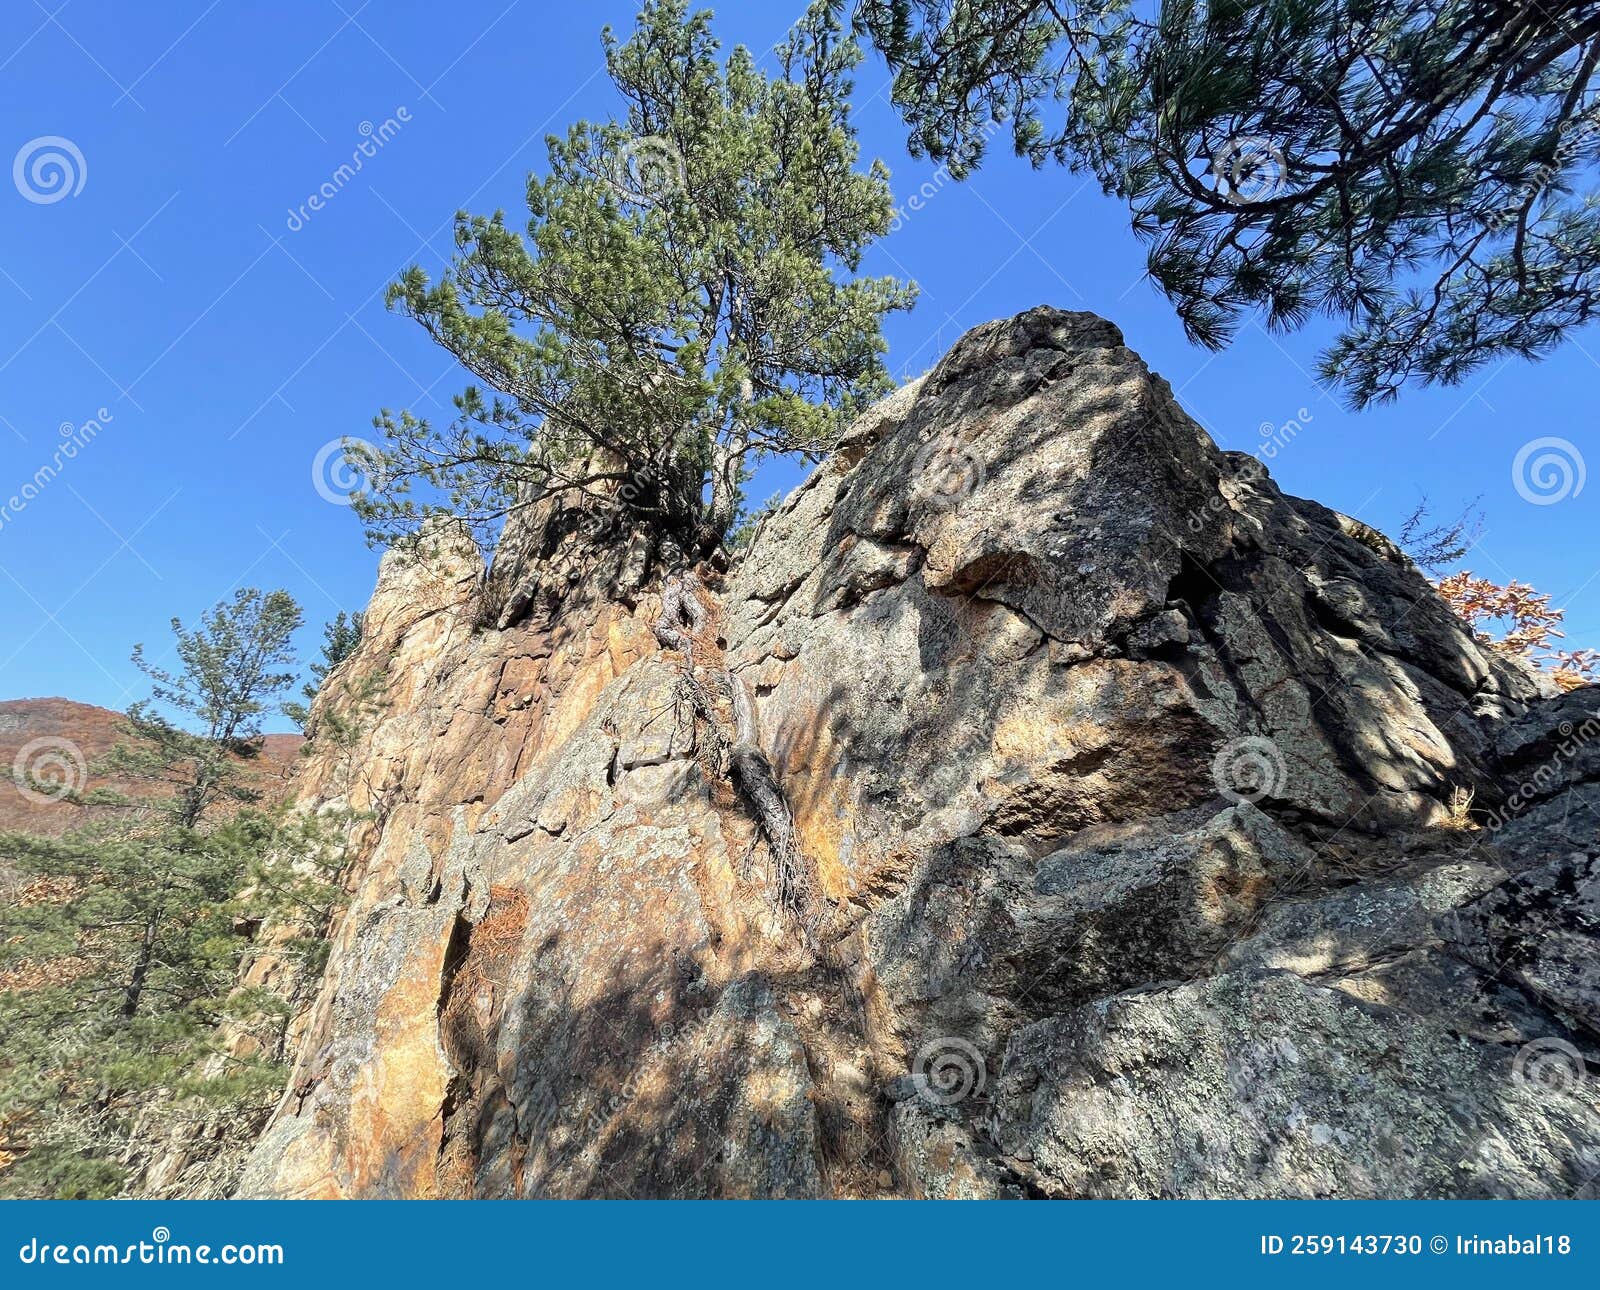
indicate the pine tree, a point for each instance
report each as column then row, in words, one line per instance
column 120, row 957
column 340, row 636
column 687, row 297
column 1420, row 170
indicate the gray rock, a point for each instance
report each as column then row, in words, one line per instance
column 1125, row 784
column 984, row 934
column 1549, row 762
column 1541, row 930
column 1358, row 926
column 1261, row 1084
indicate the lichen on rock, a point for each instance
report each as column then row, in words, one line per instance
column 1122, row 781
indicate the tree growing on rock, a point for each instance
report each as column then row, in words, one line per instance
column 340, row 636
column 1417, row 169
column 1437, row 546
column 232, row 668
column 1517, row 620
column 687, row 297
column 1512, row 618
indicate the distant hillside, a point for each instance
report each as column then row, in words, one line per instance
column 58, row 737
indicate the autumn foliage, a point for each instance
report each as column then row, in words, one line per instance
column 1520, row 621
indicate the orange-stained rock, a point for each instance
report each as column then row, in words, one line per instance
column 1056, row 738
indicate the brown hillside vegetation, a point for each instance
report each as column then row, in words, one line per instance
column 92, row 731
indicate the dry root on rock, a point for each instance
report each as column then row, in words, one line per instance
column 682, row 626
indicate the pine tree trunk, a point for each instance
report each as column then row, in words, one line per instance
column 726, row 459
column 134, row 990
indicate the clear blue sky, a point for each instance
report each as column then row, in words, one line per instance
column 228, row 349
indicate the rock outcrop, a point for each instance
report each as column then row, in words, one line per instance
column 1132, row 795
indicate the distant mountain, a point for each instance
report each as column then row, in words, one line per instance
column 59, row 740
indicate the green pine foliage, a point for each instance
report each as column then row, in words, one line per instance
column 234, row 667
column 687, row 297
column 1422, row 171
column 120, row 959
column 340, row 636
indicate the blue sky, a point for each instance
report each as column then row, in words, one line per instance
column 226, row 348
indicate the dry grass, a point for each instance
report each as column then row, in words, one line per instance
column 1458, row 810
column 469, row 1024
column 484, row 966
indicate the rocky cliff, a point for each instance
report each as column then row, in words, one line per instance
column 1163, row 835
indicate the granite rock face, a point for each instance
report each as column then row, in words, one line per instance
column 1125, row 784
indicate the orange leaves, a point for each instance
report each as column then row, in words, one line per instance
column 1517, row 620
